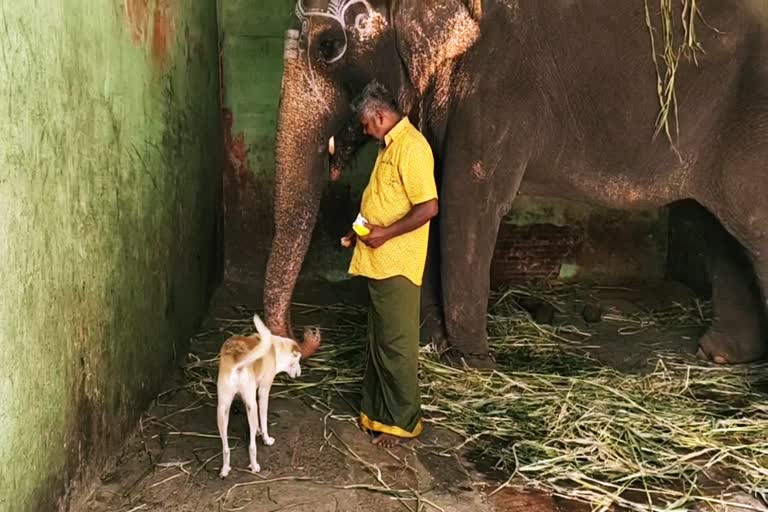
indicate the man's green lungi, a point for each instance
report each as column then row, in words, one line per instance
column 391, row 400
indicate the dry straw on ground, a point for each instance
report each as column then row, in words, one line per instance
column 556, row 420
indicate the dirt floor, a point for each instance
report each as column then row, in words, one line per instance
column 322, row 464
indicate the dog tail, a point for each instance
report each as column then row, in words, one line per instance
column 265, row 343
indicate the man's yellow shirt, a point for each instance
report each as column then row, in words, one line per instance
column 402, row 177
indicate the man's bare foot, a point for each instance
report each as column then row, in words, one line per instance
column 387, row 440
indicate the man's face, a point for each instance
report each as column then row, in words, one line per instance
column 374, row 124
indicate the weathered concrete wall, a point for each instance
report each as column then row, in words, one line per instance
column 110, row 161
column 541, row 237
column 546, row 238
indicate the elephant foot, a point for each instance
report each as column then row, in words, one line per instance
column 721, row 348
column 432, row 326
column 475, row 360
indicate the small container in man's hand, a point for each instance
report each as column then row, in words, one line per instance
column 359, row 226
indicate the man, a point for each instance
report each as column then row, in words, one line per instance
column 398, row 203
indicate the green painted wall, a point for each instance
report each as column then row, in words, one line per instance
column 110, row 160
column 253, row 47
column 617, row 245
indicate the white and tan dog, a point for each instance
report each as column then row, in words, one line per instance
column 249, row 364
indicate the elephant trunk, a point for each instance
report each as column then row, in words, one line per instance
column 301, row 153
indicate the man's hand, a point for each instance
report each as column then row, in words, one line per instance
column 419, row 215
column 377, row 237
column 348, row 240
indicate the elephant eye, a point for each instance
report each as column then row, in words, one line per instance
column 330, row 48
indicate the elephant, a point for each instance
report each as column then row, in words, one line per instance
column 554, row 98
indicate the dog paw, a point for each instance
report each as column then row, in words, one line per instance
column 224, row 472
column 255, row 467
column 269, row 441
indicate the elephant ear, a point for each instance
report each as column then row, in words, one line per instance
column 431, row 33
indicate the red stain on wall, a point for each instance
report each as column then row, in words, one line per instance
column 137, row 14
column 163, row 25
column 237, row 149
column 163, row 30
column 247, row 209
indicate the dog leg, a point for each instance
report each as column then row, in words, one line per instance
column 263, row 410
column 249, row 397
column 222, row 420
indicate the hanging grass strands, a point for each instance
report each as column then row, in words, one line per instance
column 671, row 53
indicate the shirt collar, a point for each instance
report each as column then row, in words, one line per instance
column 396, row 131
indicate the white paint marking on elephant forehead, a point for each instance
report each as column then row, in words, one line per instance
column 370, row 26
column 320, row 88
column 366, row 25
column 366, row 39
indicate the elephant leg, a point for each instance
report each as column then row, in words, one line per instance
column 737, row 334
column 481, row 174
column 432, row 325
column 740, row 276
column 469, row 226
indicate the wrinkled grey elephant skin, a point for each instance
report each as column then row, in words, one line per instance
column 554, row 98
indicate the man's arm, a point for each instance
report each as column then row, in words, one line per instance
column 419, row 215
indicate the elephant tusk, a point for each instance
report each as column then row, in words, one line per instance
column 331, row 146
column 291, row 50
